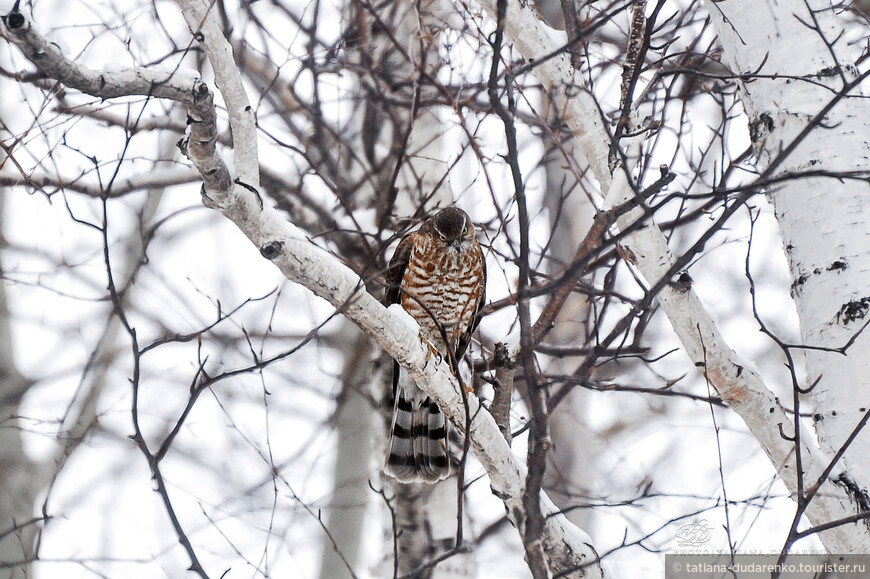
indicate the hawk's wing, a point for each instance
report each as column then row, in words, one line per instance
column 393, row 287
column 396, row 271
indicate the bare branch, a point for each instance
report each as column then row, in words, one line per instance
column 302, row 262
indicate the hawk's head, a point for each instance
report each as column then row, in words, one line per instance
column 453, row 226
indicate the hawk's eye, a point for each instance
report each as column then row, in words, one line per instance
column 465, row 230
column 443, row 238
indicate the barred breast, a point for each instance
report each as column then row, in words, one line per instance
column 442, row 289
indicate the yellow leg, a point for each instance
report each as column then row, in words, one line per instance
column 433, row 351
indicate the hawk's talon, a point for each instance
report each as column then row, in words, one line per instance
column 432, row 352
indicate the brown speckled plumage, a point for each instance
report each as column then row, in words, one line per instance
column 438, row 275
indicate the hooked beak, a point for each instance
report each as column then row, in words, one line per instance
column 457, row 245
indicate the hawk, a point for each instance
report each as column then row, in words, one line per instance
column 438, row 276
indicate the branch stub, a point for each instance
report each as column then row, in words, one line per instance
column 272, row 249
column 15, row 20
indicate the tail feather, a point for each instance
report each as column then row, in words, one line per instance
column 430, row 444
column 418, row 439
column 400, row 454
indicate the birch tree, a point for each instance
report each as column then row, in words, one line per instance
column 313, row 148
column 810, row 142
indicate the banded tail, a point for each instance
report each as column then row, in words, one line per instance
column 417, row 450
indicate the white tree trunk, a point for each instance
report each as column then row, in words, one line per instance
column 823, row 219
column 574, row 443
column 647, row 249
column 17, row 491
column 420, row 180
column 356, row 423
column 395, row 43
column 425, row 514
column 18, row 483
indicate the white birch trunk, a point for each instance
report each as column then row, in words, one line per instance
column 17, row 491
column 426, row 515
column 356, row 421
column 823, row 219
column 574, row 444
column 385, row 135
column 421, row 23
column 647, row 250
column 18, row 482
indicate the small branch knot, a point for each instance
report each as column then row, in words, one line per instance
column 201, row 90
column 207, row 200
column 501, row 357
column 253, row 190
column 272, row 249
column 682, row 282
column 15, row 20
